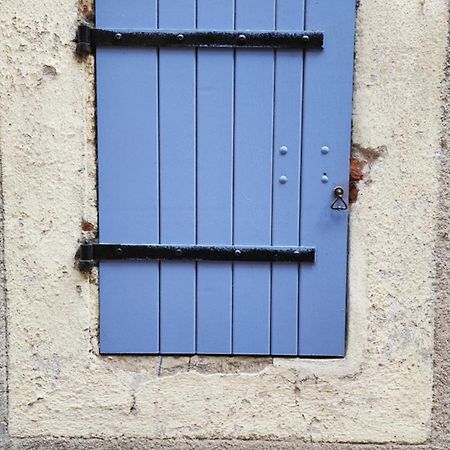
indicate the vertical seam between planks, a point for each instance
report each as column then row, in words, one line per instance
column 233, row 180
column 272, row 178
column 300, row 169
column 196, row 179
column 159, row 178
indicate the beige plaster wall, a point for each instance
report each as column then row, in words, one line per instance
column 60, row 386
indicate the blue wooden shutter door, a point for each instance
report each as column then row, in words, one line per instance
column 192, row 148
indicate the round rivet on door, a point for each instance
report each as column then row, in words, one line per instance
column 283, row 179
column 305, row 38
column 324, row 178
column 180, row 37
column 118, row 36
column 237, row 252
column 325, row 150
column 242, row 38
column 283, row 150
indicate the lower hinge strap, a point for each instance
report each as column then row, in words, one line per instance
column 91, row 252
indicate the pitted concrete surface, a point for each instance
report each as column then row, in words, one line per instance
column 62, row 394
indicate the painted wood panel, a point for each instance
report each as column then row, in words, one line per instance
column 253, row 115
column 127, row 122
column 177, row 172
column 288, row 96
column 326, row 123
column 215, row 102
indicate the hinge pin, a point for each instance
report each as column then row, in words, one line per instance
column 84, row 46
column 86, row 261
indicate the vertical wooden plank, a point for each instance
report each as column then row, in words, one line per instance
column 128, row 180
column 254, row 74
column 286, row 192
column 214, row 178
column 327, row 122
column 177, row 91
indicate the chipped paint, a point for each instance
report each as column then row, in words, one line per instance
column 361, row 162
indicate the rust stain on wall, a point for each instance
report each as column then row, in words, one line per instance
column 87, row 226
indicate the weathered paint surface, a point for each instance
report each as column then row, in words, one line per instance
column 59, row 386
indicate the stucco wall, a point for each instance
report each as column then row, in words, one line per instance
column 58, row 384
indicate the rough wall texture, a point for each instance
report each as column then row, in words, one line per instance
column 61, row 390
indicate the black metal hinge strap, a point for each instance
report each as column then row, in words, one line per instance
column 88, row 38
column 91, row 252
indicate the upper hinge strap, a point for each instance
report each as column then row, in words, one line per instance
column 89, row 38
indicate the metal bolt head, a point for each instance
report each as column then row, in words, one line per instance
column 339, row 191
column 180, row 37
column 179, row 251
column 283, row 150
column 305, row 38
column 283, row 179
column 119, row 251
column 118, row 36
column 324, row 178
column 237, row 252
column 242, row 38
column 325, row 150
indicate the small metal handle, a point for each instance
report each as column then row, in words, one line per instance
column 339, row 204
